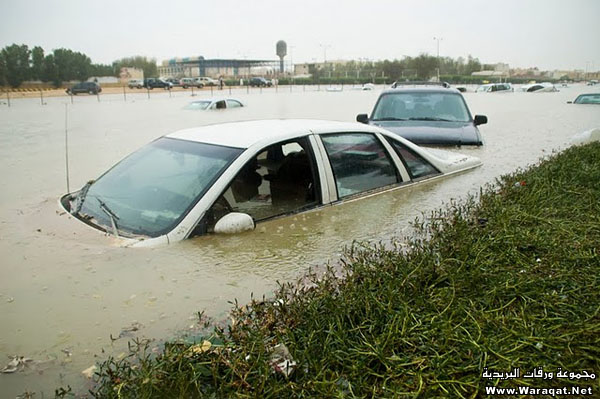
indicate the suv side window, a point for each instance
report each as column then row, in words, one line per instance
column 359, row 162
column 415, row 164
column 280, row 179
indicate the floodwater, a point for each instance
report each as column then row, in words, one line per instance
column 64, row 290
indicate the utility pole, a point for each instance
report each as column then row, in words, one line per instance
column 438, row 55
column 325, row 47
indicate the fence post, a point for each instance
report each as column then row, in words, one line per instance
column 124, row 95
column 41, row 97
column 8, row 98
column 192, row 90
column 247, row 89
column 98, row 95
column 71, row 95
column 148, row 90
column 211, row 90
column 229, row 90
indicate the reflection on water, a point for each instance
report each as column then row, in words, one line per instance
column 64, row 289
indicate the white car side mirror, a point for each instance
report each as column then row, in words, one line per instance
column 234, row 222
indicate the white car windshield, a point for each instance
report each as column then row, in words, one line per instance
column 421, row 106
column 151, row 190
column 198, row 105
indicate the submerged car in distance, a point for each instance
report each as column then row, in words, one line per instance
column 588, row 98
column 173, row 81
column 214, row 103
column 544, row 87
column 206, row 81
column 152, row 83
column 84, row 87
column 190, row 82
column 135, row 83
column 433, row 115
column 260, row 82
column 225, row 178
column 495, row 88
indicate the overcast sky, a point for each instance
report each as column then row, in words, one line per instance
column 549, row 34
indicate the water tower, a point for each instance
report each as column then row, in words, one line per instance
column 281, row 47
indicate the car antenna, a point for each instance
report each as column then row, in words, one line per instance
column 67, row 147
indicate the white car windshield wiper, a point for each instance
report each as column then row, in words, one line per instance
column 111, row 215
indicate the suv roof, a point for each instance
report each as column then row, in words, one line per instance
column 427, row 89
column 420, row 83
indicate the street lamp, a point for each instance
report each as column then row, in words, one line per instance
column 292, row 58
column 325, row 47
column 438, row 55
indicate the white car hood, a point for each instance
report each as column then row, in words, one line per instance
column 448, row 161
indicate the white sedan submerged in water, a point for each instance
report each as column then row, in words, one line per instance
column 224, row 178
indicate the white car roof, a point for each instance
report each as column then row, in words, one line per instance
column 247, row 133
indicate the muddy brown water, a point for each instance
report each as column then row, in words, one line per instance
column 64, row 289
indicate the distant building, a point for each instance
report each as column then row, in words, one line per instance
column 500, row 70
column 104, row 79
column 303, row 69
column 306, row 68
column 502, row 67
column 526, row 72
column 491, row 74
column 231, row 68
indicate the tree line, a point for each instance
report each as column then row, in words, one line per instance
column 18, row 64
column 423, row 67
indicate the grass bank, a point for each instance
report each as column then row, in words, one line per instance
column 510, row 280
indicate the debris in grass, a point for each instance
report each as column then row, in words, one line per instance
column 89, row 372
column 17, row 363
column 200, row 348
column 128, row 331
column 281, row 360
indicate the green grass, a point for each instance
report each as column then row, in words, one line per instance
column 510, row 279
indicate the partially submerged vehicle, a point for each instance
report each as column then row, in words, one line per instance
column 224, row 178
column 589, row 98
column 495, row 88
column 435, row 115
column 214, row 103
column 539, row 87
column 366, row 86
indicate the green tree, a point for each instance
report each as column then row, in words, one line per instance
column 473, row 65
column 147, row 65
column 102, row 70
column 37, row 62
column 72, row 65
column 16, row 64
column 425, row 65
column 2, row 70
column 50, row 71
